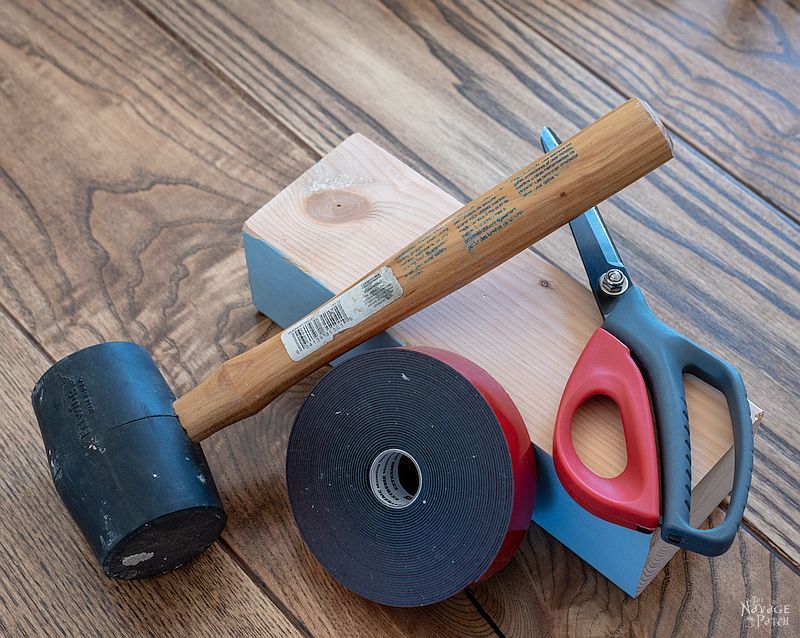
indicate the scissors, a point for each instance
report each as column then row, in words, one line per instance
column 631, row 352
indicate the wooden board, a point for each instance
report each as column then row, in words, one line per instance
column 724, row 74
column 456, row 90
column 525, row 322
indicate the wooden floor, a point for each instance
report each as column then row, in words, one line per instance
column 137, row 136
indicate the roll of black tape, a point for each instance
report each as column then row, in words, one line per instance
column 410, row 475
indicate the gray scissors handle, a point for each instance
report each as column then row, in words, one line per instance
column 664, row 355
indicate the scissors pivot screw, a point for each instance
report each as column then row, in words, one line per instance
column 614, row 282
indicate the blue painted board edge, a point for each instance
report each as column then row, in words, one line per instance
column 285, row 293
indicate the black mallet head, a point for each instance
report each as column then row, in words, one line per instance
column 139, row 489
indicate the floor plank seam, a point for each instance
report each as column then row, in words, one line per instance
column 27, row 334
column 226, row 79
column 259, row 582
column 484, row 614
column 764, row 540
column 746, row 186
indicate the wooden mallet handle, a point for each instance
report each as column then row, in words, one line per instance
column 586, row 169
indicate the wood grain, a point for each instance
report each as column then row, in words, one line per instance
column 49, row 583
column 726, row 75
column 455, row 90
column 127, row 172
column 613, row 152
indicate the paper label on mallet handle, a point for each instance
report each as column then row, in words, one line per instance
column 349, row 309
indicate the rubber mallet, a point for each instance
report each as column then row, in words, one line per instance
column 124, row 454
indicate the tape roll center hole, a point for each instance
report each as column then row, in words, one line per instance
column 395, row 478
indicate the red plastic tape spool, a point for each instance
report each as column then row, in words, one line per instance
column 411, row 475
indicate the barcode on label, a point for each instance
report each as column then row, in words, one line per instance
column 317, row 329
column 350, row 308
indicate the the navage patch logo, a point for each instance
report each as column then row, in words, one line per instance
column 757, row 613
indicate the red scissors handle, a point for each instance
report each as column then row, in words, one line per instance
column 631, row 499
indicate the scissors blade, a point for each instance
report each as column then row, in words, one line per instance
column 596, row 248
